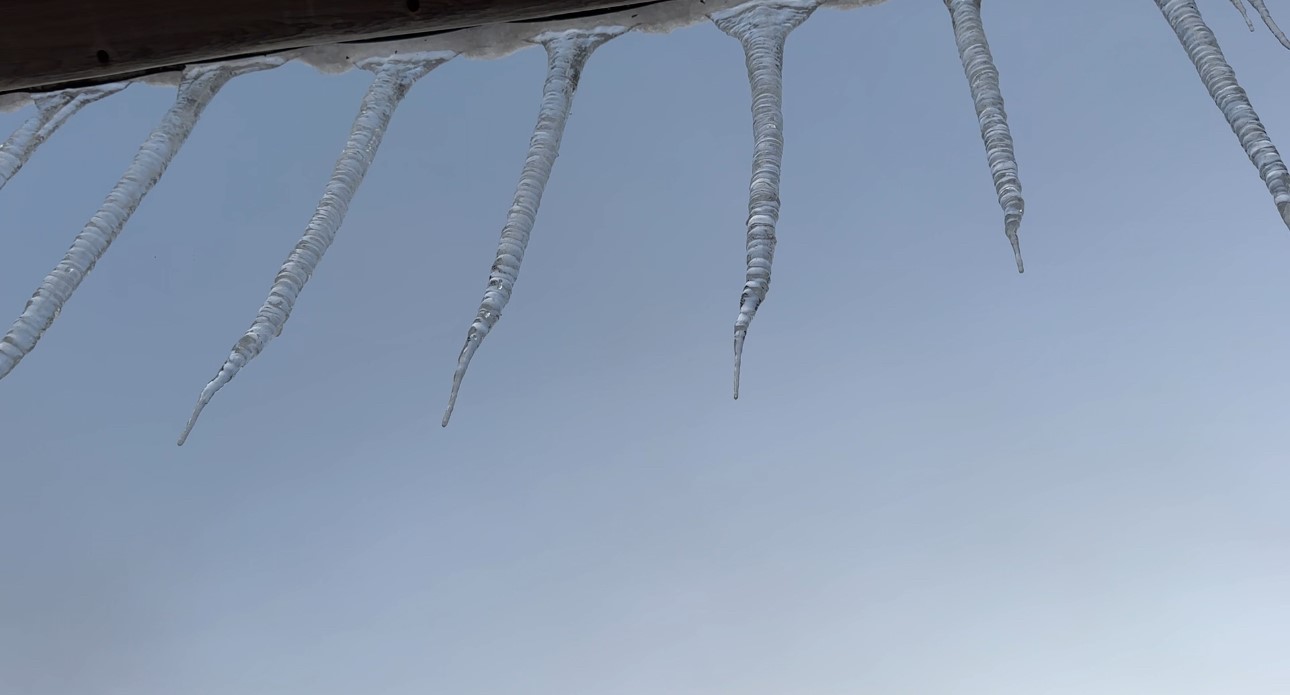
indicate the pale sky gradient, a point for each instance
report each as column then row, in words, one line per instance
column 941, row 478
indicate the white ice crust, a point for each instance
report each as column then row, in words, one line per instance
column 485, row 42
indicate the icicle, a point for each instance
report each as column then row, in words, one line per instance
column 1266, row 16
column 394, row 77
column 983, row 78
column 567, row 53
column 1220, row 80
column 762, row 26
column 53, row 109
column 197, row 87
column 1240, row 7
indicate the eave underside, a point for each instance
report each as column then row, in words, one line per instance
column 53, row 44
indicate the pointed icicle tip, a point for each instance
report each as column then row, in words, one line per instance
column 1240, row 7
column 740, row 333
column 202, row 400
column 473, row 339
column 1010, row 226
column 1266, row 16
column 567, row 53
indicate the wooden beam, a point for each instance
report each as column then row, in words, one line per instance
column 46, row 44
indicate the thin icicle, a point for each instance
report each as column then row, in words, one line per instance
column 1240, row 7
column 53, row 109
column 983, row 78
column 1220, row 80
column 1266, row 16
column 394, row 77
column 567, row 53
column 762, row 26
column 197, row 87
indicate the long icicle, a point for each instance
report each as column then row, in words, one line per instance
column 53, row 109
column 1266, row 16
column 394, row 77
column 1220, row 80
column 1240, row 7
column 567, row 53
column 196, row 89
column 983, row 78
column 762, row 27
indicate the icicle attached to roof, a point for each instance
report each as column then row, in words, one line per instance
column 762, row 27
column 983, row 78
column 198, row 86
column 53, row 109
column 567, row 53
column 394, row 77
column 1220, row 80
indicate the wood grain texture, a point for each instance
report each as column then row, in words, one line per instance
column 46, row 44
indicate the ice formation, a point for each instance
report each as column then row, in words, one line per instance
column 567, row 53
column 1240, row 7
column 198, row 86
column 394, row 77
column 1219, row 78
column 983, row 78
column 53, row 109
column 1266, row 16
column 762, row 26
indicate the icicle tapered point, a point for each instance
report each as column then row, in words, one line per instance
column 983, row 80
column 1220, row 80
column 1266, row 16
column 197, row 87
column 567, row 53
column 394, row 77
column 762, row 28
column 1240, row 7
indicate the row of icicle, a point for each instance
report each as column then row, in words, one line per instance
column 761, row 27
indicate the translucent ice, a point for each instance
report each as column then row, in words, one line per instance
column 53, row 109
column 1266, row 16
column 983, row 78
column 567, row 53
column 1240, row 7
column 762, row 26
column 196, row 89
column 1220, row 80
column 394, row 77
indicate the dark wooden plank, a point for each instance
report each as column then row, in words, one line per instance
column 51, row 43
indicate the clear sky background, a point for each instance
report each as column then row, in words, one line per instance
column 941, row 477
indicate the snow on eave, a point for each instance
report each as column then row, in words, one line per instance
column 500, row 40
column 486, row 42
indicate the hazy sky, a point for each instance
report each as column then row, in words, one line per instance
column 941, row 477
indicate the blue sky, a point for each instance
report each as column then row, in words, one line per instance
column 941, row 477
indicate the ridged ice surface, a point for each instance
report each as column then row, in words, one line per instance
column 567, row 54
column 762, row 26
column 983, row 79
column 394, row 77
column 198, row 87
column 52, row 111
column 1220, row 80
